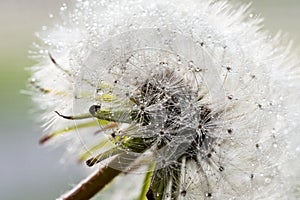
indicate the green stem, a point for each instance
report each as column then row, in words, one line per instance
column 147, row 183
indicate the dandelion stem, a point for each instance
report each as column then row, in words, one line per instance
column 147, row 183
column 94, row 183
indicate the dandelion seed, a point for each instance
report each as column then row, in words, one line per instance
column 190, row 94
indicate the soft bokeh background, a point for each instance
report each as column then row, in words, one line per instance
column 28, row 171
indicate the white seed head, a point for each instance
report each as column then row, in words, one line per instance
column 194, row 86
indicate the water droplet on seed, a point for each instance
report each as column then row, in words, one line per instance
column 268, row 180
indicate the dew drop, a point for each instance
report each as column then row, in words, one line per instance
column 191, row 63
column 200, row 43
column 221, row 168
column 268, row 180
column 33, row 80
column 183, row 193
column 99, row 92
column 198, row 69
column 208, row 194
column 64, row 7
column 179, row 60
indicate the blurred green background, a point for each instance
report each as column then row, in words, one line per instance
column 28, row 171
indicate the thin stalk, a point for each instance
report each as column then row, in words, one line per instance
column 92, row 184
column 147, row 183
column 98, row 180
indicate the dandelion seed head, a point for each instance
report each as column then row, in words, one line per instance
column 194, row 86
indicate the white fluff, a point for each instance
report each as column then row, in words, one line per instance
column 218, row 50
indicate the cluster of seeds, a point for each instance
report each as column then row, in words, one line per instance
column 191, row 95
